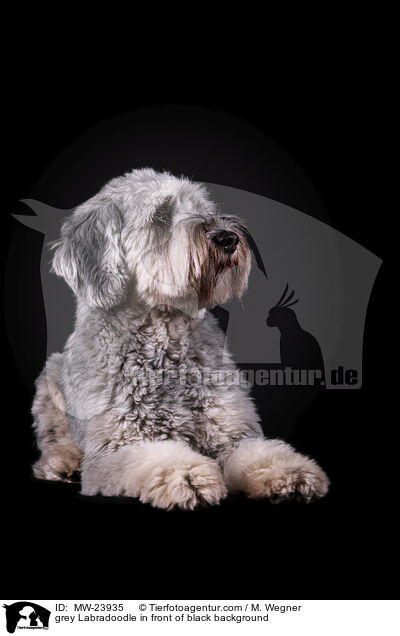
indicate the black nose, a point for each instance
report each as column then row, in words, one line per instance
column 226, row 240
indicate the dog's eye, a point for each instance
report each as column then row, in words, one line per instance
column 163, row 213
column 161, row 217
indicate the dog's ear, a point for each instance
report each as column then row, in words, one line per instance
column 89, row 254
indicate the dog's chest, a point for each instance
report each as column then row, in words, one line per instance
column 164, row 381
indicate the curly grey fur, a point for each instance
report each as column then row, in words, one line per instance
column 134, row 400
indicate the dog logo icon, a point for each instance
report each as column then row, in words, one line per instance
column 26, row 615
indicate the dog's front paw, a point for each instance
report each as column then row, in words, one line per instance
column 170, row 474
column 185, row 486
column 278, row 483
column 271, row 468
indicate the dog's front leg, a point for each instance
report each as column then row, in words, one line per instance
column 163, row 473
column 271, row 468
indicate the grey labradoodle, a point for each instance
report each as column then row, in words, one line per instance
column 144, row 400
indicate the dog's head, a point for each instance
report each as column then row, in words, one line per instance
column 156, row 238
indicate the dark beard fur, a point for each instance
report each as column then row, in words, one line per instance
column 226, row 272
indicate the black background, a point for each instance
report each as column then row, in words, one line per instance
column 60, row 545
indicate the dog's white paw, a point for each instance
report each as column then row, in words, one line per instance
column 185, row 486
column 285, row 482
column 271, row 468
column 58, row 462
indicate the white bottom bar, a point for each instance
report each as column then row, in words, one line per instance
column 219, row 618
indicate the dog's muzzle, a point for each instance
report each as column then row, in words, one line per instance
column 225, row 240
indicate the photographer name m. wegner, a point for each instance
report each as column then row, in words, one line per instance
column 248, row 607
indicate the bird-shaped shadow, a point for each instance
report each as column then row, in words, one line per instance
column 299, row 349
